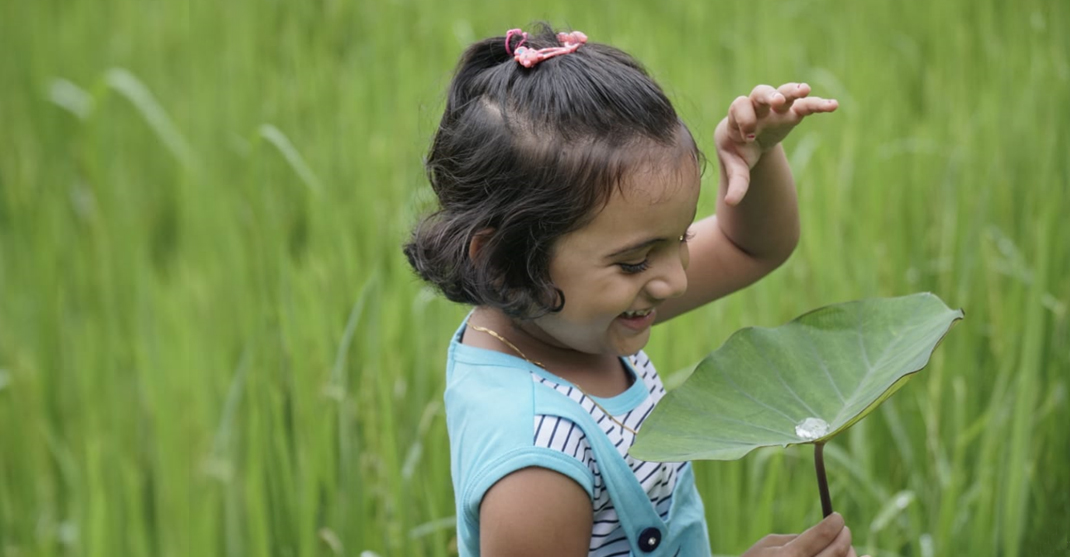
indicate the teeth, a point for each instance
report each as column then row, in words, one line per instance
column 633, row 314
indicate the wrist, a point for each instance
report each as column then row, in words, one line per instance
column 769, row 156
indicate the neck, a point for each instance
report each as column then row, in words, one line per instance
column 599, row 374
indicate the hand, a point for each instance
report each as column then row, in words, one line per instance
column 757, row 123
column 828, row 538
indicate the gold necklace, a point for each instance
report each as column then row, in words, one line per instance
column 530, row 361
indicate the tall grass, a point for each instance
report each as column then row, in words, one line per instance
column 210, row 343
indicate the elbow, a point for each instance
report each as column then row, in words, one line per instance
column 779, row 253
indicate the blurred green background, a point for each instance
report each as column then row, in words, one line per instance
column 211, row 344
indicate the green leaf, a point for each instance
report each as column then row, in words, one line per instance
column 767, row 387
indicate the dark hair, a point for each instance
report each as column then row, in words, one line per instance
column 528, row 155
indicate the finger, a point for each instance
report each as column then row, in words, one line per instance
column 813, row 105
column 775, row 540
column 764, row 98
column 746, row 121
column 733, row 125
column 791, row 93
column 781, row 539
column 820, row 535
column 839, row 546
column 738, row 174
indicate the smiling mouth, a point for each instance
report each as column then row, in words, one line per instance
column 637, row 313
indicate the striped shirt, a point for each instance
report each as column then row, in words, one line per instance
column 657, row 478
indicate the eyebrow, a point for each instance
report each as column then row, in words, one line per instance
column 635, row 247
column 647, row 243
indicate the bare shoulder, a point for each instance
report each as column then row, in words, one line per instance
column 535, row 511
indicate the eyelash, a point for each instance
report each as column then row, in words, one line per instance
column 636, row 268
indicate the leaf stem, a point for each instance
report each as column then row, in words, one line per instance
column 822, row 481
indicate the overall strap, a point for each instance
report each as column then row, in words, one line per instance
column 646, row 531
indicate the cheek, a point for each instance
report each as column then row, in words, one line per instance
column 599, row 301
column 617, row 297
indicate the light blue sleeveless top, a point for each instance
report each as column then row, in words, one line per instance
column 491, row 405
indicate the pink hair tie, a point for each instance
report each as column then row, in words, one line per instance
column 509, row 37
column 528, row 57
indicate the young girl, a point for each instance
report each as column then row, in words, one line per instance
column 568, row 190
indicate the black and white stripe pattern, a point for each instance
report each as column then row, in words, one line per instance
column 657, row 478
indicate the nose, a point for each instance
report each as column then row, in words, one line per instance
column 671, row 278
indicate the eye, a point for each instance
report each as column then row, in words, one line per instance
column 687, row 237
column 635, row 268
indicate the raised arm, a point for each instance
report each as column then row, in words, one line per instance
column 757, row 222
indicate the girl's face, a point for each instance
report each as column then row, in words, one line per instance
column 615, row 271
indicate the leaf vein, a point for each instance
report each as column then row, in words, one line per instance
column 824, row 366
column 780, row 377
column 744, row 393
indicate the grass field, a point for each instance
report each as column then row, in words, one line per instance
column 211, row 345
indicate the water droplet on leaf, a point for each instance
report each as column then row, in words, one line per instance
column 812, row 428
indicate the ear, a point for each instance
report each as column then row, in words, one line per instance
column 479, row 239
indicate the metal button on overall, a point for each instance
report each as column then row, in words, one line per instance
column 649, row 539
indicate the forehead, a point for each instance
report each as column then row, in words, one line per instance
column 656, row 184
column 650, row 202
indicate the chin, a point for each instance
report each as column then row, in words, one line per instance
column 630, row 346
